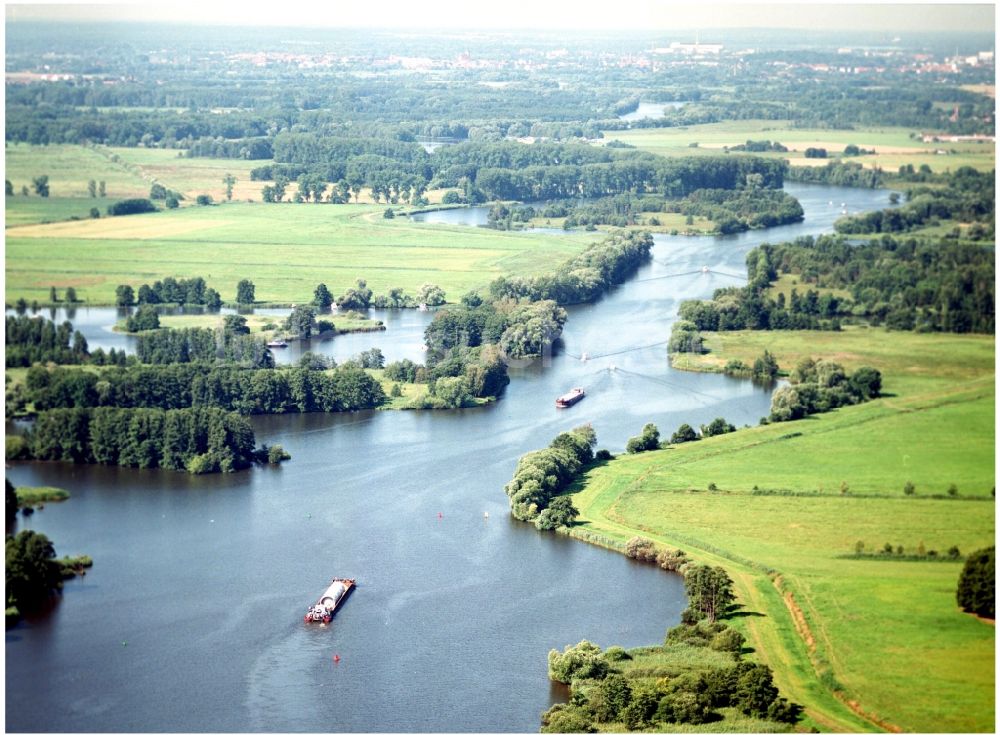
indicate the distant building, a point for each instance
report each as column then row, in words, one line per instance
column 691, row 49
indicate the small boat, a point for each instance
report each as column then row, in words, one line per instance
column 326, row 606
column 568, row 399
column 277, row 343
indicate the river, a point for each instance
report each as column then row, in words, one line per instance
column 191, row 618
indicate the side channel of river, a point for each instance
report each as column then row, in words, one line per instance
column 191, row 617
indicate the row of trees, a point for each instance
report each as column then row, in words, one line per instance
column 584, row 277
column 36, row 339
column 201, row 344
column 543, row 474
column 195, row 385
column 170, row 291
column 194, row 439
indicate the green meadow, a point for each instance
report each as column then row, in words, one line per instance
column 862, row 643
column 893, row 145
column 285, row 249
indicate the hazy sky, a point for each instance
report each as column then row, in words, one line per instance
column 540, row 14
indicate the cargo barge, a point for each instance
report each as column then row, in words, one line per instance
column 568, row 399
column 326, row 606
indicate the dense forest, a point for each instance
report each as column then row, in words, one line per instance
column 132, row 95
column 194, row 439
column 908, row 284
column 193, row 385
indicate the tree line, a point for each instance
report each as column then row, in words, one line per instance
column 906, row 284
column 968, row 196
column 201, row 344
column 543, row 474
column 37, row 339
column 170, row 291
column 197, row 440
column 199, row 385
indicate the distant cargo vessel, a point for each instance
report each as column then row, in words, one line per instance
column 568, row 399
column 326, row 606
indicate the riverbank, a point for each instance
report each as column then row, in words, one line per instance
column 848, row 639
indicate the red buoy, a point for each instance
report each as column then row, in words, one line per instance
column 440, row 516
column 336, row 658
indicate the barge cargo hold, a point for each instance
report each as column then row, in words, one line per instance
column 568, row 399
column 326, row 606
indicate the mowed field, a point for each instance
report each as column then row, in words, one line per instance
column 285, row 249
column 130, row 172
column 893, row 146
column 127, row 172
column 854, row 641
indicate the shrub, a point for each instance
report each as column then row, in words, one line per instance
column 976, row 585
column 603, row 455
column 648, row 440
column 582, row 661
column 131, row 206
column 276, row 454
column 565, row 718
column 683, row 434
column 909, row 488
column 203, row 200
column 641, row 549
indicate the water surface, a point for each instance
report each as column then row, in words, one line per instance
column 191, row 618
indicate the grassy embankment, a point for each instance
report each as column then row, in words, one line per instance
column 35, row 497
column 861, row 644
column 284, row 249
column 893, row 145
column 264, row 324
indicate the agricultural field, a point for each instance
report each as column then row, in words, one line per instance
column 285, row 249
column 893, row 146
column 850, row 639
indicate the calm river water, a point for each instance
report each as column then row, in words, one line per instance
column 191, row 618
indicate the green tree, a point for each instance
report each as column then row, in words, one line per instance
column 977, row 583
column 322, row 297
column 709, row 590
column 245, row 292
column 302, row 321
column 229, row 180
column 582, row 661
column 8, row 188
column 53, row 296
column 683, row 434
column 32, row 573
column 430, row 294
column 41, row 185
column 616, row 695
column 235, row 324
column 648, row 440
column 92, row 189
column 71, row 295
column 102, row 190
column 10, row 500
column 145, row 318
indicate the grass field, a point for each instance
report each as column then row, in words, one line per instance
column 893, row 146
column 264, row 324
column 846, row 637
column 127, row 172
column 285, row 249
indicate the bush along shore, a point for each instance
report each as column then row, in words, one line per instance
column 698, row 676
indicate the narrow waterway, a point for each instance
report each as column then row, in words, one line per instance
column 190, row 619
